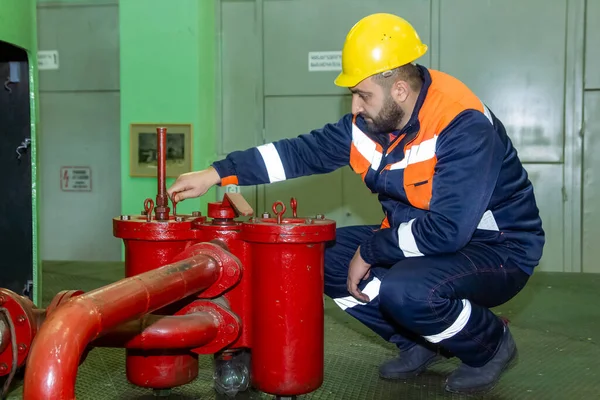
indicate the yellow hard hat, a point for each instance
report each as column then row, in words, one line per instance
column 378, row 43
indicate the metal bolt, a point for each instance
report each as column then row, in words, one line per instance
column 308, row 221
column 230, row 328
column 266, row 215
column 230, row 271
column 320, row 216
column 2, row 299
column 22, row 348
column 125, row 217
column 21, row 319
column 196, row 214
column 3, row 367
column 178, row 219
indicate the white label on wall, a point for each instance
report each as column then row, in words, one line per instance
column 76, row 179
column 47, row 59
column 324, row 61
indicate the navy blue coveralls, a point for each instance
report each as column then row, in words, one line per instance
column 461, row 230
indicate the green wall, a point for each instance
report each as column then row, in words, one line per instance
column 17, row 23
column 167, row 68
column 18, row 26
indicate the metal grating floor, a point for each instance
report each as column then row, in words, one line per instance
column 555, row 321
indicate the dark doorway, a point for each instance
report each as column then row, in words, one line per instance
column 16, row 238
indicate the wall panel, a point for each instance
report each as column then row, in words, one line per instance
column 293, row 28
column 79, row 119
column 592, row 45
column 512, row 54
column 591, row 183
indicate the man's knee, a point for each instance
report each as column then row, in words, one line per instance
column 414, row 297
column 405, row 294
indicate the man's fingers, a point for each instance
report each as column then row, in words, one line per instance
column 179, row 191
column 356, row 293
column 175, row 187
column 182, row 195
column 360, row 295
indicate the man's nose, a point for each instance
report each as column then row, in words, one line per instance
column 357, row 106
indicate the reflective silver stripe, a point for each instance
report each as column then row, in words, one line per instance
column 488, row 222
column 272, row 162
column 371, row 289
column 417, row 153
column 487, row 113
column 366, row 147
column 406, row 240
column 456, row 327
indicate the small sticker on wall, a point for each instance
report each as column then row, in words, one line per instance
column 324, row 61
column 76, row 179
column 47, row 59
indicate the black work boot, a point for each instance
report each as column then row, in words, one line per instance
column 409, row 364
column 468, row 379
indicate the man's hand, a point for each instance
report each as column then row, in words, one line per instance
column 357, row 271
column 193, row 184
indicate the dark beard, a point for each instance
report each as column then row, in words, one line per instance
column 388, row 118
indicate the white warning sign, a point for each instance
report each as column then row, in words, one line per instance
column 324, row 61
column 76, row 179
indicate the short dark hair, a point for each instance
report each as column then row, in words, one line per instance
column 408, row 73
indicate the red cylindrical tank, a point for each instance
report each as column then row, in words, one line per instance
column 287, row 283
column 150, row 245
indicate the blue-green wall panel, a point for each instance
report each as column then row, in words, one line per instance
column 512, row 54
column 591, row 183
column 592, row 45
column 293, row 28
column 87, row 39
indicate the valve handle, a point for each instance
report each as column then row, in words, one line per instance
column 294, row 205
column 279, row 213
column 148, row 207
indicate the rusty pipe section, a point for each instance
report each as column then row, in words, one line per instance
column 162, row 200
column 67, row 332
column 153, row 332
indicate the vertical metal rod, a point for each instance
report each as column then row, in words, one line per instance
column 162, row 203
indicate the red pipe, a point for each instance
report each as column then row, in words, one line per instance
column 56, row 350
column 162, row 332
column 162, row 203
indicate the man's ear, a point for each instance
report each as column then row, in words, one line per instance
column 400, row 91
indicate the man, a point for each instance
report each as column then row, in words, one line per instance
column 461, row 231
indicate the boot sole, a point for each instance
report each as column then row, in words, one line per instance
column 487, row 388
column 412, row 374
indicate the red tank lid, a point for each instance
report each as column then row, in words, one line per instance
column 288, row 230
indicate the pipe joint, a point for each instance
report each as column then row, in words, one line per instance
column 230, row 267
column 229, row 324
